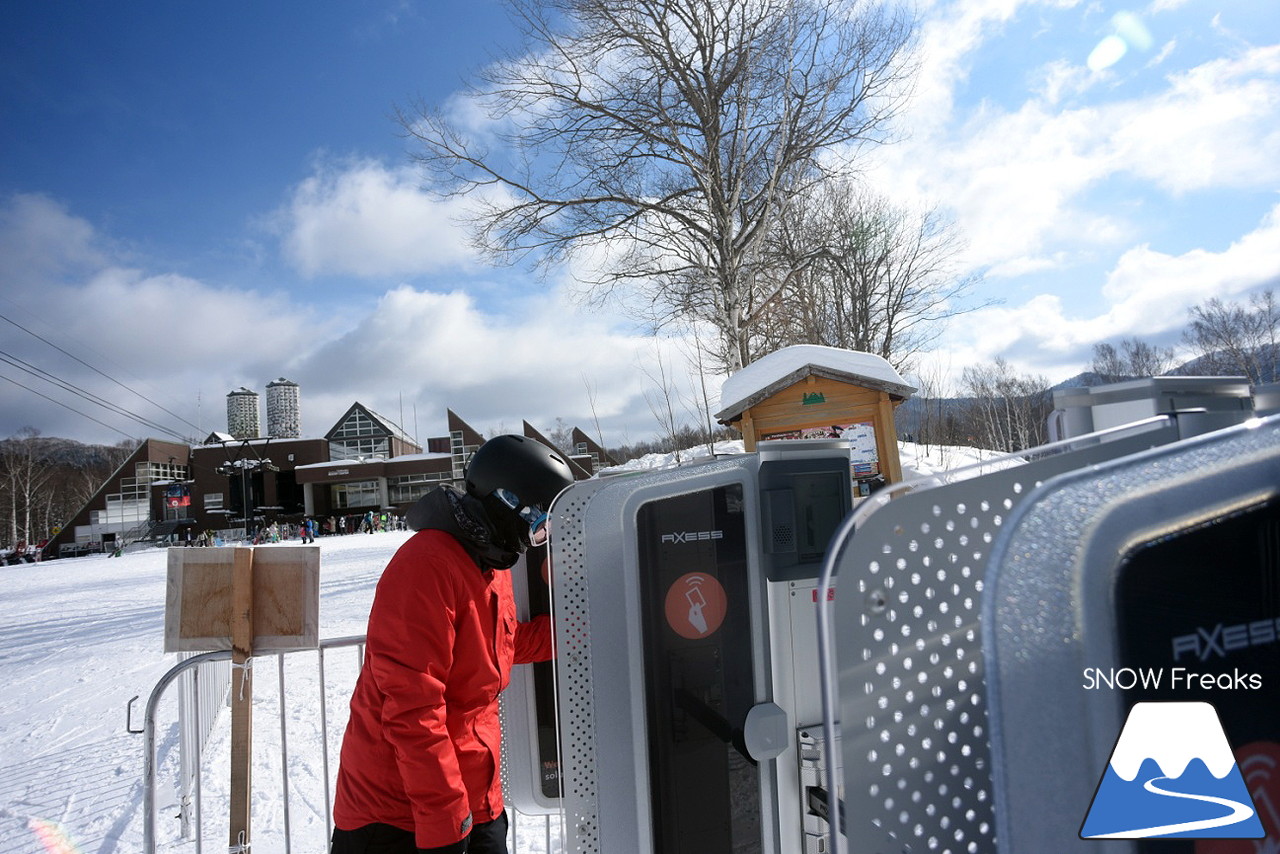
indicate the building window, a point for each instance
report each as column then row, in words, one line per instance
column 461, row 453
column 212, row 501
column 151, row 470
column 360, row 493
column 354, row 449
column 358, row 423
column 410, row 487
column 583, row 450
column 121, row 510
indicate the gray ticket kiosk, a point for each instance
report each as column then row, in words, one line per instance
column 686, row 671
column 964, row 617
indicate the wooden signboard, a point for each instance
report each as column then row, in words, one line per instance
column 249, row 601
column 286, row 599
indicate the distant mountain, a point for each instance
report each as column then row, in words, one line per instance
column 51, row 450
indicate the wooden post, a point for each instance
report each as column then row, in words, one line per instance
column 887, row 441
column 241, row 696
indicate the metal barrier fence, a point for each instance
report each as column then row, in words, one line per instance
column 202, row 691
column 309, row 703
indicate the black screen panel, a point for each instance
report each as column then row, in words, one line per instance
column 698, row 672
column 1201, row 610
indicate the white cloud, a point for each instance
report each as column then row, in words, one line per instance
column 1020, row 181
column 40, row 239
column 362, row 218
column 1217, row 125
column 145, row 341
column 1166, row 51
column 951, row 34
column 1166, row 5
column 444, row 350
column 185, row 344
column 1059, row 80
column 1147, row 295
column 1027, row 265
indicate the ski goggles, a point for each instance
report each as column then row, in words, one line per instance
column 533, row 515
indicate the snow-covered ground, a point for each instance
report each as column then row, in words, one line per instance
column 917, row 460
column 80, row 637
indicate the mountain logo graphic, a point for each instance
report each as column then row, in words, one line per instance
column 1172, row 775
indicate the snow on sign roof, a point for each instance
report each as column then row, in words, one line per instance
column 782, row 368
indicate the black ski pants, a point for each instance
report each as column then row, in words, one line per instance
column 487, row 838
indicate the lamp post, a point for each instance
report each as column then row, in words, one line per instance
column 245, row 466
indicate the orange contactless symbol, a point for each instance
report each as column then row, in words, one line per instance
column 695, row 605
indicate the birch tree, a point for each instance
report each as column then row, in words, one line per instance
column 666, row 136
column 1009, row 411
column 24, row 479
column 865, row 274
column 1235, row 338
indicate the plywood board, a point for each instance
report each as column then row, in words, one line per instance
column 286, row 599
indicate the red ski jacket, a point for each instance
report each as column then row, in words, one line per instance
column 421, row 750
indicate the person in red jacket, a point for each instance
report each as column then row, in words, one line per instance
column 419, row 768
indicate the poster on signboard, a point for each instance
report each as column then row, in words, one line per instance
column 864, row 460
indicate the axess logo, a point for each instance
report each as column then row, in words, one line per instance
column 1219, row 641
column 692, row 536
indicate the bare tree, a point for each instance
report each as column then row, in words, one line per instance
column 595, row 416
column 1135, row 358
column 1009, row 411
column 865, row 274
column 662, row 402
column 937, row 423
column 561, row 436
column 1232, row 338
column 24, row 479
column 669, row 134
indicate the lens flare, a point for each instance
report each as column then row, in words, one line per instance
column 1129, row 32
column 52, row 837
column 1108, row 52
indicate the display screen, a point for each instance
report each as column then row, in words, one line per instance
column 1199, row 613
column 803, row 502
column 696, row 619
column 821, row 500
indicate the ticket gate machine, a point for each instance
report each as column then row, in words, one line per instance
column 688, row 687
column 686, row 671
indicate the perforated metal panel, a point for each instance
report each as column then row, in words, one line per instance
column 914, row 722
column 575, row 700
column 1056, row 576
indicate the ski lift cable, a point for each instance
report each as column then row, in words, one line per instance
column 86, row 395
column 99, row 371
column 65, row 406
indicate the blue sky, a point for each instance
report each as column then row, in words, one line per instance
column 199, row 197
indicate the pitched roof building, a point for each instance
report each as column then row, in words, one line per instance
column 231, row 485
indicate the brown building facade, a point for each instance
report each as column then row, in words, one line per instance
column 365, row 464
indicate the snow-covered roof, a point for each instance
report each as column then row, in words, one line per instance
column 403, row 458
column 782, row 368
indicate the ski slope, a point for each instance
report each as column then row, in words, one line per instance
column 80, row 637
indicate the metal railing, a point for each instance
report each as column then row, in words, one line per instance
column 202, row 691
column 290, row 706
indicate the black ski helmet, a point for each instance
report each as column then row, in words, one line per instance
column 518, row 464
